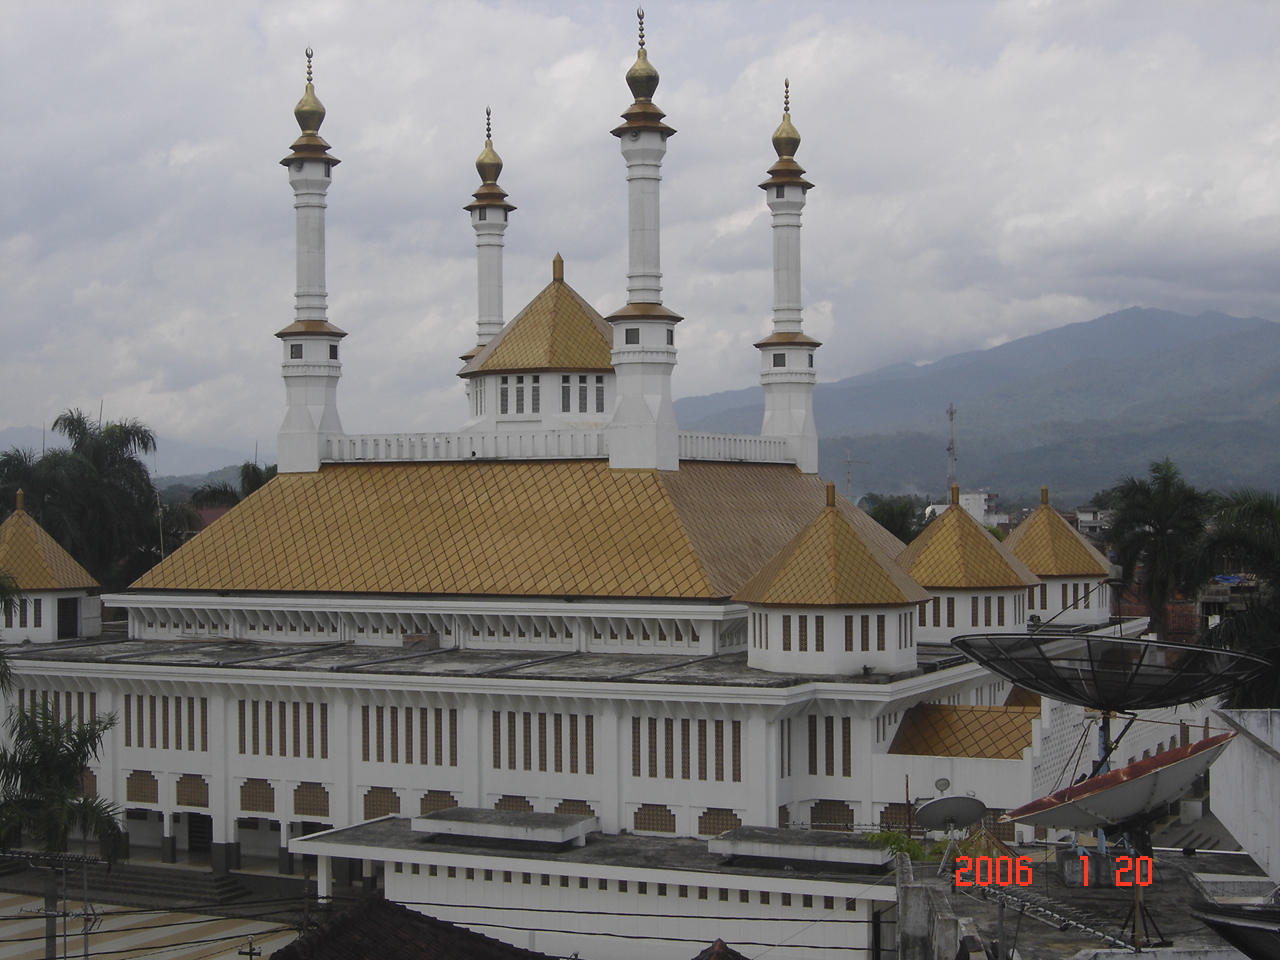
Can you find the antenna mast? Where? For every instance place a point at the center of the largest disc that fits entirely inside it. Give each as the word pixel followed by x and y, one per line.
pixel 951 447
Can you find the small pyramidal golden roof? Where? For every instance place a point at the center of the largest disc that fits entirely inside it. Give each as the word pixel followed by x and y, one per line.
pixel 558 330
pixel 949 730
pixel 34 559
pixel 956 552
pixel 786 141
pixel 1051 547
pixel 828 564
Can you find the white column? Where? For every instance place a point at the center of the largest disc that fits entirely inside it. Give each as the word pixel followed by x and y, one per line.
pixel 310 181
pixel 643 150
pixel 786 257
pixel 489 223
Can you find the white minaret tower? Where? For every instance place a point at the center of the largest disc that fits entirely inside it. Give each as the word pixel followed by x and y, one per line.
pixel 489 220
pixel 786 355
pixel 643 432
pixel 311 368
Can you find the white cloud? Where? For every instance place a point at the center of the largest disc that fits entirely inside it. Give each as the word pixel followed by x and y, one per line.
pixel 983 171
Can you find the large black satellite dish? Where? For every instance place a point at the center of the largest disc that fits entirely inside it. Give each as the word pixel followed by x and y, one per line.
pixel 951 813
pixel 1112 674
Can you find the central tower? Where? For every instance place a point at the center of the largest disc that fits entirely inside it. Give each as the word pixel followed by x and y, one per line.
pixel 643 432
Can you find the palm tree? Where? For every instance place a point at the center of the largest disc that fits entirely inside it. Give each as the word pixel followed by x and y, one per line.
pixel 1156 530
pixel 9 595
pixel 219 493
pixel 42 782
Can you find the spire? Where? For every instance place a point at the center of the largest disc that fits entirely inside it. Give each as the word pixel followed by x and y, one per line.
pixel 310 115
pixel 642 431
pixel 787 373
pixel 489 211
pixel 20 501
pixel 311 369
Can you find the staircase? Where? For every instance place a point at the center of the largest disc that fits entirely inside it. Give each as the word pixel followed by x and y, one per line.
pixel 133 885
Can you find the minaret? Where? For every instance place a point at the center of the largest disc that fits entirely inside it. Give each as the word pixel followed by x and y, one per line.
pixel 489 220
pixel 311 368
pixel 643 430
pixel 786 355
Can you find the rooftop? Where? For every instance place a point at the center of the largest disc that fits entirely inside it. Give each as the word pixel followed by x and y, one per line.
pixel 729 670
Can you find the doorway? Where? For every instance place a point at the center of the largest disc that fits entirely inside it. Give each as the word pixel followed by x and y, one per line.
pixel 68 618
pixel 199 832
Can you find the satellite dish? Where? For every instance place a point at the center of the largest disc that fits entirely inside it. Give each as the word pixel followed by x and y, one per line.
pixel 950 813
pixel 942 784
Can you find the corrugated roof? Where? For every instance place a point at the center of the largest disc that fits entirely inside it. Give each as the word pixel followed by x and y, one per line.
pixel 946 730
pixel 558 330
pixel 504 528
pixel 1051 547
pixel 956 552
pixel 829 564
pixel 35 560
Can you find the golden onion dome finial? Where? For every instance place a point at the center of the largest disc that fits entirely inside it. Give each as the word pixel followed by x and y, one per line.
pixel 488 164
pixel 642 78
pixel 310 111
pixel 786 139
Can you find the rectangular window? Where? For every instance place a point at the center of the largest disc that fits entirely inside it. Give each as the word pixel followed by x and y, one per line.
pixel 128 717
pixel 573 743
pixel 804 633
pixel 685 744
pixel 1064 596
pixel 866 631
pixel 519 395
pixel 813 745
pixel 243 725
pixel 557 730
pixel 22 609
pixel 204 724
pixel 37 612
pixel 635 746
pixel 702 749
pixel 631 335
pixel 268 725
pixel 528 740
pixel 986 611
pixel 511 740
pixel 735 750
pixel 600 394
pixel 846 746
pixel 393 725
pixel 951 611
pixel 535 397
pixel 1000 611
pixel 379 743
pixel 1075 598
pixel 295 351
pixel 669 743
pixel 1044 596
pixel 848 634
pixel 311 731
pixel 973 610
pixel 542 742
pixel 566 394
pixel 582 394
pixel 880 631
pixel 497 739
pixel 924 614
pixel 503 403
pixel 408 732
pixel 589 744
pixel 719 750
pixel 1087 594
pixel 819 632
pixel 151 704
pixel 453 737
pixel 653 747
pixel 786 631
pixel 830 745
pixel 779 359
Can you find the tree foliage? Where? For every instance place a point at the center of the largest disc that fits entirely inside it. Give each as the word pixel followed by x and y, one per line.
pixel 1157 530
pixel 220 493
pixel 96 498
pixel 903 515
pixel 42 781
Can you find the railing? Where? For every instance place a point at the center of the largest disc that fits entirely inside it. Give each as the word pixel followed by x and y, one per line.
pixel 539 445
pixel 726 446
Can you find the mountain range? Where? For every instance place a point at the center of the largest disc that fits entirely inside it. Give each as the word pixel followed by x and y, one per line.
pixel 1076 407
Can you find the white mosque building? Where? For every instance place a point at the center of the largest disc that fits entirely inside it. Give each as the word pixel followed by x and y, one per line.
pixel 554 655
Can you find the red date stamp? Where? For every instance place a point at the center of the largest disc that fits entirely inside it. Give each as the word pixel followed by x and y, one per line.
pixel 1010 872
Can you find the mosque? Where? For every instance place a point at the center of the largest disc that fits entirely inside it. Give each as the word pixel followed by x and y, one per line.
pixel 570 668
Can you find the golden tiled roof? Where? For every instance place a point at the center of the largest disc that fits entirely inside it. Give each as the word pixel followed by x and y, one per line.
pixel 944 730
pixel 1051 547
pixel 1022 697
pixel 956 552
pixel 35 560
pixel 558 330
pixel 505 528
pixel 828 564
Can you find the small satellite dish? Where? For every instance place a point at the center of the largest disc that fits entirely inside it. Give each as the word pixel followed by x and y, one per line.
pixel 942 784
pixel 950 813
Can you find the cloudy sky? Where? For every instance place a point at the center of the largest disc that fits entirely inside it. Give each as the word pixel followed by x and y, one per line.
pixel 983 170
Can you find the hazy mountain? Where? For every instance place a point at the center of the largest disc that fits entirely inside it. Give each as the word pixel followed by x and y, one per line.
pixel 1076 407
pixel 172 456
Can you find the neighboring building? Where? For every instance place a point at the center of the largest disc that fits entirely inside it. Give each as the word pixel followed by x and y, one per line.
pixel 1092 521
pixel 1075 579
pixel 59 598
